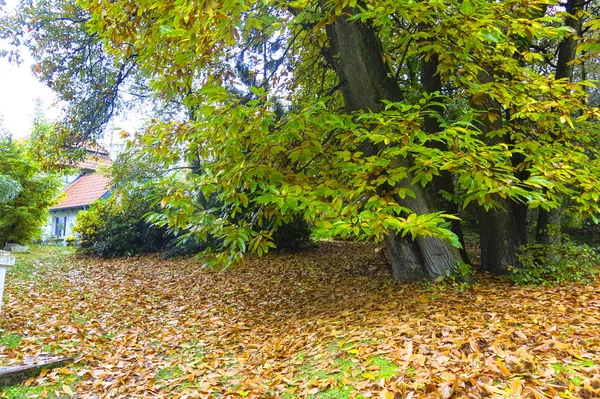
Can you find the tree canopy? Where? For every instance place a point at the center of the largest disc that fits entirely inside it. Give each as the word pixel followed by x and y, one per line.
pixel 24 209
pixel 9 189
pixel 375 120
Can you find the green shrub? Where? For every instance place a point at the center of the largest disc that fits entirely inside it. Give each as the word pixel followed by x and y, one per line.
pixel 70 240
pixel 555 264
pixel 582 230
pixel 295 234
pixel 116 227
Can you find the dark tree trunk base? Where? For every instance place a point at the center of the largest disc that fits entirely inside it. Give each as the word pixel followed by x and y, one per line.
pixel 365 80
pixel 500 239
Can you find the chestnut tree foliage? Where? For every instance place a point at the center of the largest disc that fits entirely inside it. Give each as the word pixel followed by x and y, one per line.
pixel 376 120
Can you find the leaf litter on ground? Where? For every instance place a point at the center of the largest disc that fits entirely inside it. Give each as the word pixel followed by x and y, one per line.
pixel 327 322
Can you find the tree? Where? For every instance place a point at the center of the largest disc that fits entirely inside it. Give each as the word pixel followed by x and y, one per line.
pixel 549 221
pixel 365 137
pixel 9 189
pixel 23 215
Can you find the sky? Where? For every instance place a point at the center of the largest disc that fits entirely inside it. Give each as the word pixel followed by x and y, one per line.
pixel 18 92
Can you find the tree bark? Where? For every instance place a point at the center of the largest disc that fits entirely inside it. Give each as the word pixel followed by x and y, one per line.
pixel 366 81
pixel 499 235
pixel 432 82
pixel 549 226
pixel 499 238
pixel 548 229
pixel 520 209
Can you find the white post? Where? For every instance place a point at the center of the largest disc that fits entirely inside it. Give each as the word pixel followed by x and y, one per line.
pixel 5 260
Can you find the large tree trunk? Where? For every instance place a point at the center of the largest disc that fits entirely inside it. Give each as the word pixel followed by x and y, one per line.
pixel 432 82
pixel 366 81
pixel 499 238
pixel 548 229
pixel 499 235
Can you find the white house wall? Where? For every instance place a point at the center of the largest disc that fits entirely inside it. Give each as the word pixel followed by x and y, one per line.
pixel 50 228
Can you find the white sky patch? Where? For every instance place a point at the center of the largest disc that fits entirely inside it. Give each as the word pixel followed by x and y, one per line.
pixel 18 92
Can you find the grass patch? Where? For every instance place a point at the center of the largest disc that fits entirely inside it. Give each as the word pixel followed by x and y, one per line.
pixel 55 390
pixel 168 373
pixel 53 349
pixel 21 392
pixel 573 367
pixel 344 371
pixel 387 369
pixel 10 341
pixel 30 266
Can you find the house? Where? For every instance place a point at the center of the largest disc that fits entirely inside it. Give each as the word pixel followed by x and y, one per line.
pixel 80 190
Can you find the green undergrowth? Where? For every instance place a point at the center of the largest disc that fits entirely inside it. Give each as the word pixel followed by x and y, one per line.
pixel 10 341
pixel 548 265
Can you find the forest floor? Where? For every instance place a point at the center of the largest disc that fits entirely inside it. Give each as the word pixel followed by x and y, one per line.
pixel 327 322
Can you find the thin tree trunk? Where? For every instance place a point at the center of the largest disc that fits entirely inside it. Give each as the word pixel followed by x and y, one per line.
pixel 549 226
pixel 519 209
pixel 548 229
pixel 365 82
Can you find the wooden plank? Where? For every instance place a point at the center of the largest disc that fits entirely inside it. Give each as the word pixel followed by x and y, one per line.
pixel 14 375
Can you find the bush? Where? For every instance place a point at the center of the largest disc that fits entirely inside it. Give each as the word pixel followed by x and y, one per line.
pixel 290 236
pixel 555 264
pixel 116 227
pixel 582 230
pixel 70 240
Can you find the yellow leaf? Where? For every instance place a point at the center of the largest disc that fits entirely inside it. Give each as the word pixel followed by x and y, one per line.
pixel 67 389
pixel 516 386
pixel 385 394
pixel 503 369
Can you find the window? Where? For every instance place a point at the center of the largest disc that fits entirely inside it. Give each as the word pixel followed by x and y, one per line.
pixel 60 226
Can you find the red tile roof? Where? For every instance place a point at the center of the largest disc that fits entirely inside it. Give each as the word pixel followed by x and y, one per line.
pixel 83 191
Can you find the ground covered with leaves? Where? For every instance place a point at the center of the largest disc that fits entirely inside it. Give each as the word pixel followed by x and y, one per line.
pixel 323 323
